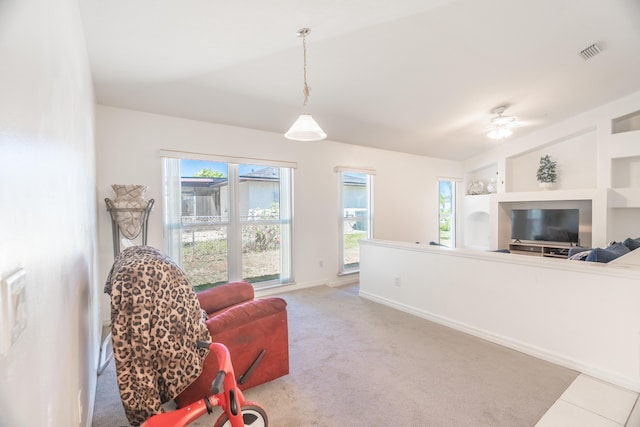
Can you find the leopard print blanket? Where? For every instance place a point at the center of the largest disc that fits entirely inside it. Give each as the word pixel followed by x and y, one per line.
pixel 156 321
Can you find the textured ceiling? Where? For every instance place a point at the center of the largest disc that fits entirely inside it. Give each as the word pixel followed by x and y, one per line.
pixel 417 76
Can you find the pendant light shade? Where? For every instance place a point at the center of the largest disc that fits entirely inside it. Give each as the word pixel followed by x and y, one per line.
pixel 305 128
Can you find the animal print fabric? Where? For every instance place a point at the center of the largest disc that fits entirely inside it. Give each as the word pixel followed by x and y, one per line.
pixel 156 321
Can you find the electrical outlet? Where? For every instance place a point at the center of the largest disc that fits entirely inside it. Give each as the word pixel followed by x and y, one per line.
pixel 397 282
pixel 321 264
pixel 14 309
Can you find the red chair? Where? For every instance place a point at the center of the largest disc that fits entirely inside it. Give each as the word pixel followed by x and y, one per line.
pixel 254 330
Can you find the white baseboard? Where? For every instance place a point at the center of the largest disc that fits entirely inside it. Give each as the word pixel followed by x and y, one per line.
pixel 348 279
pixel 289 287
pixel 106 351
pixel 522 347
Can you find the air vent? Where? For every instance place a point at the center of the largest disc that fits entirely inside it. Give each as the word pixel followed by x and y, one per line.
pixel 590 51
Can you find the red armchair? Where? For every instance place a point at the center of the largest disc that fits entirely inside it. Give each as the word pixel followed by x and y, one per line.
pixel 255 332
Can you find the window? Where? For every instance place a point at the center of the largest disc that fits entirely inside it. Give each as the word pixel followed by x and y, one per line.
pixel 447 212
pixel 356 215
pixel 227 221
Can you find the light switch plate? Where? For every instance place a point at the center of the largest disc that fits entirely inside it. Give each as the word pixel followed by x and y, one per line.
pixel 14 309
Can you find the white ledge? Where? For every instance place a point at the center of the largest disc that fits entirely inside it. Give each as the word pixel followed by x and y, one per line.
pixel 627 266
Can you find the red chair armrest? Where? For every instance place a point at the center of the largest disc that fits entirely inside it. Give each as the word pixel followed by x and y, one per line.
pixel 223 296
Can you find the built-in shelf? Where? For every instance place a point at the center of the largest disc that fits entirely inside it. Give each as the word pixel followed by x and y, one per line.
pixel 624 144
pixel 488 175
pixel 627 123
pixel 624 198
pixel 625 171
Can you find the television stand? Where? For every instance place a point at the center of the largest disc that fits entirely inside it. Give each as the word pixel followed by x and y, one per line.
pixel 550 250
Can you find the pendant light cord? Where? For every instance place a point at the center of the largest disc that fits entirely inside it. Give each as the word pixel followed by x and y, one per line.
pixel 305 128
pixel 306 89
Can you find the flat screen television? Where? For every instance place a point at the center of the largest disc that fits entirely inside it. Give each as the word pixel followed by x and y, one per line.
pixel 549 225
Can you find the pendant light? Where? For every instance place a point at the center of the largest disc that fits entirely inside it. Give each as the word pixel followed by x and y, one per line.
pixel 305 128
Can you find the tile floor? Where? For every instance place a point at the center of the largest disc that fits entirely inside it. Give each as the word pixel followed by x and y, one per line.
pixel 594 403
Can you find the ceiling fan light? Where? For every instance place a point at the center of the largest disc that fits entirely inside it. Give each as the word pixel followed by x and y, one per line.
pixel 305 129
pixel 502 121
pixel 501 125
pixel 499 132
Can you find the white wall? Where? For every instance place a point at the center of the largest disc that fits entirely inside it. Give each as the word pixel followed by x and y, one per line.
pixel 580 315
pixel 48 214
pixel 406 191
pixel 576 158
pixel 597 120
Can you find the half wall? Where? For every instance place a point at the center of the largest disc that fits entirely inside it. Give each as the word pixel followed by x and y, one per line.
pixel 583 316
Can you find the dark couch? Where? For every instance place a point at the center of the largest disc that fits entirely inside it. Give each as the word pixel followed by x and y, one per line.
pixel 605 255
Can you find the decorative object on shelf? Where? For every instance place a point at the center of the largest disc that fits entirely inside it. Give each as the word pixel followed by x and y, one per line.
pixel 500 126
pixel 129 213
pixel 475 187
pixel 305 128
pixel 491 186
pixel 546 174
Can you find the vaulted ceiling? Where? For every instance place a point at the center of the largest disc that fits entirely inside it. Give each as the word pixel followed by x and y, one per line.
pixel 416 76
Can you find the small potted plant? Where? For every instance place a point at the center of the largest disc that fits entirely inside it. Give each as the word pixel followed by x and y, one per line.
pixel 546 172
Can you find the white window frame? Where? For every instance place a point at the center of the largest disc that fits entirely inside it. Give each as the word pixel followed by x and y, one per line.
pixel 172 207
pixel 370 173
pixel 455 205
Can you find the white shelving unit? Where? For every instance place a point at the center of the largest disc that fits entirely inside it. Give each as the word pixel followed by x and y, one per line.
pixel 599 173
pixel 476 208
pixel 476 220
pixel 624 197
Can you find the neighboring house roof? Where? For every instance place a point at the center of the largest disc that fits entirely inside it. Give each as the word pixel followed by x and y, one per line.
pixel 268 173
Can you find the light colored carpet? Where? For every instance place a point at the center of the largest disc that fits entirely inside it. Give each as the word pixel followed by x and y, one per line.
pixel 354 362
